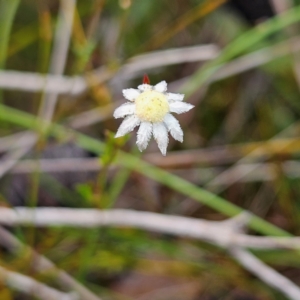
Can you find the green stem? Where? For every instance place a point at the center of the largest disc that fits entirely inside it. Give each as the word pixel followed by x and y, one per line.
pixel 134 163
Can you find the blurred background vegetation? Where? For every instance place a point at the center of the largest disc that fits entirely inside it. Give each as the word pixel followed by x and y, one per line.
pixel 241 140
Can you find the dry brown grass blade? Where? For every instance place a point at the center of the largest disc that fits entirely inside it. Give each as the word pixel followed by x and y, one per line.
pixel 227 154
pixel 188 18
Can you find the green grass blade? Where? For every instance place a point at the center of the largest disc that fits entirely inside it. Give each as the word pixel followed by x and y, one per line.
pixel 240 45
pixel 136 164
pixel 7 13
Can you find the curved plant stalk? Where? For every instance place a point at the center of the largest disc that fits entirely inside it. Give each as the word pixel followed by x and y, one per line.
pixel 134 163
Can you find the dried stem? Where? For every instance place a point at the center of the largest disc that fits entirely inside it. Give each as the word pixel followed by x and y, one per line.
pixel 222 233
pixel 266 273
pixel 32 287
pixel 42 264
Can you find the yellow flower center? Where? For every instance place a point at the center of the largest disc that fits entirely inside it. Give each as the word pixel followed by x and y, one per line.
pixel 151 106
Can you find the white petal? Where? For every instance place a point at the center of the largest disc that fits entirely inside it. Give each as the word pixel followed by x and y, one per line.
pixel 175 97
pixel 131 94
pixel 124 110
pixel 160 134
pixel 161 87
pixel 143 135
pixel 180 107
pixel 144 87
pixel 174 127
pixel 128 125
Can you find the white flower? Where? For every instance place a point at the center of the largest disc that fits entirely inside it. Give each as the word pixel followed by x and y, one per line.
pixel 151 108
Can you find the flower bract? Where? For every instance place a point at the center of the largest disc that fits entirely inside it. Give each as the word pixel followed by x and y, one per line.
pixel 151 108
